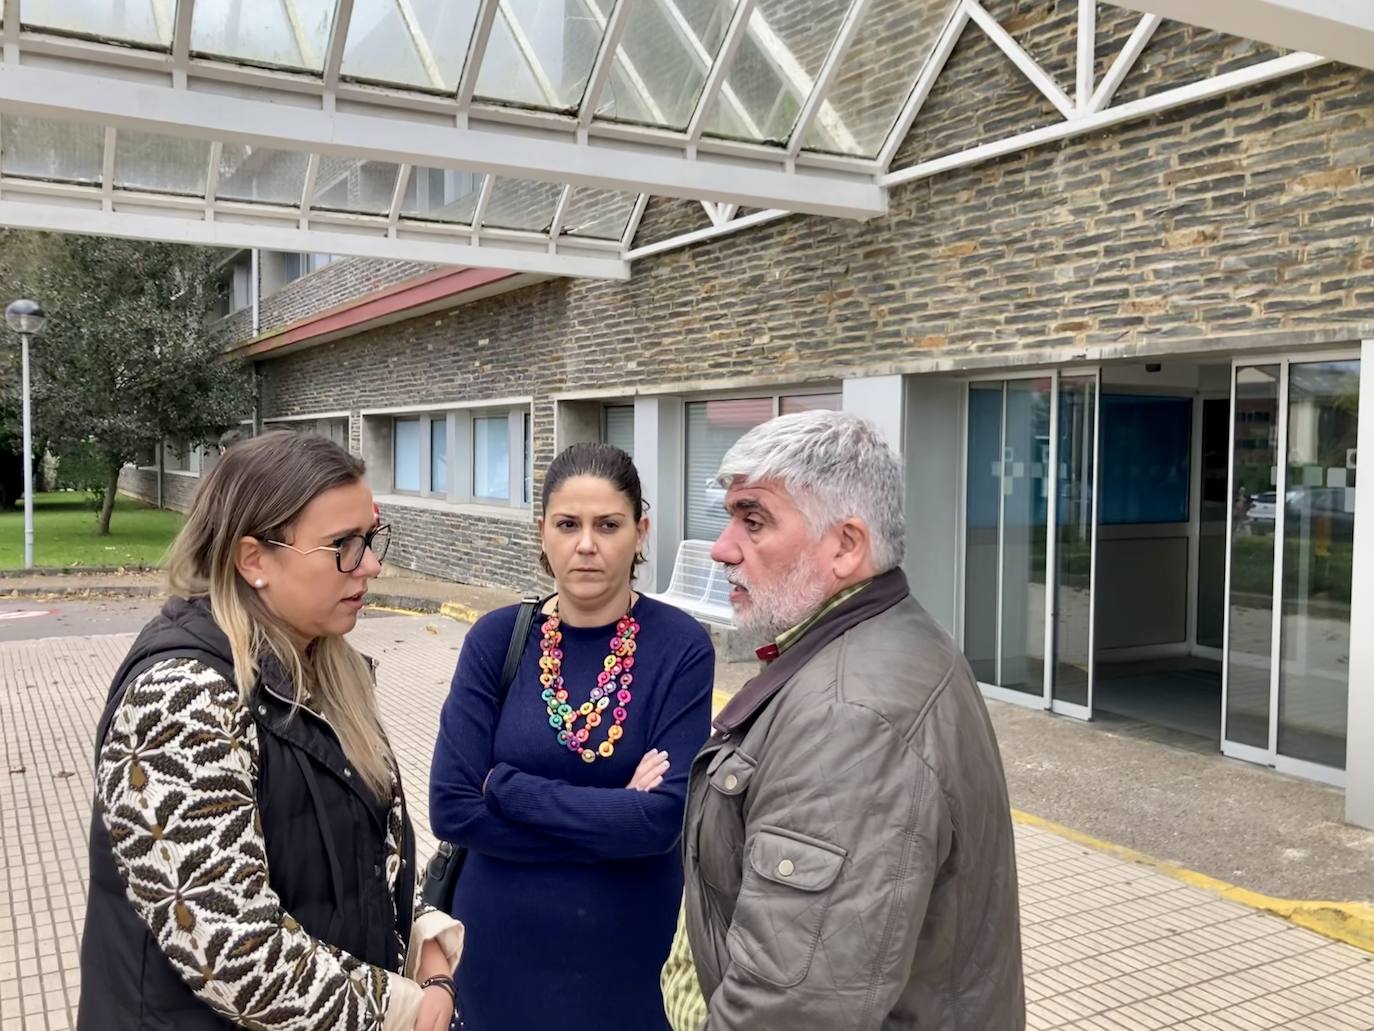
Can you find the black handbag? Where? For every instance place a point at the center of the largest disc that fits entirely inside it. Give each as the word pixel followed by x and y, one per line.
pixel 443 868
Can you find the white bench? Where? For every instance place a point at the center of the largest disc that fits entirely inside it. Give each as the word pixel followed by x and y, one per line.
pixel 698 586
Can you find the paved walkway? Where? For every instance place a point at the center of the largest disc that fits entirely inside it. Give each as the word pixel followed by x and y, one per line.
pixel 1109 944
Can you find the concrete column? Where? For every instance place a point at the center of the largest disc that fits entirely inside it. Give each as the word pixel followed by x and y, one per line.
pixel 878 399
pixel 1359 742
pixel 659 456
pixel 934 454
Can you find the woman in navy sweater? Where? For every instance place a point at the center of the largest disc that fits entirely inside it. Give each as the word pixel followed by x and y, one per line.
pixel 569 796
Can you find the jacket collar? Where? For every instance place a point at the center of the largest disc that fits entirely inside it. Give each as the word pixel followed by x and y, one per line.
pixel 882 592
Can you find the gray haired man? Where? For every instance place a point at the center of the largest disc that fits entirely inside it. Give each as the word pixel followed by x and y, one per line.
pixel 848 846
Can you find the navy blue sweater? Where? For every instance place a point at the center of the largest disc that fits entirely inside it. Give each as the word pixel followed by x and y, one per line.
pixel 571 889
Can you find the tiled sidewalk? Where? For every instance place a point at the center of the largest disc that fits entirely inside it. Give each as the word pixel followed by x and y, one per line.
pixel 1109 944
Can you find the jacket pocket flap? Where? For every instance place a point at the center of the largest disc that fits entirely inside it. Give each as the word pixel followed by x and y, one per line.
pixel 795 860
pixel 732 774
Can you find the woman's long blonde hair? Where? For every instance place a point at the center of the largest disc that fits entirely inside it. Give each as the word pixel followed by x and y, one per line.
pixel 258 489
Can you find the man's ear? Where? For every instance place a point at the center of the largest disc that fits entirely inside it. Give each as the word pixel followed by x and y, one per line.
pixel 853 547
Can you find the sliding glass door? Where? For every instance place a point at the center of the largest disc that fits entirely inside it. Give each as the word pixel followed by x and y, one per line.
pixel 1292 521
pixel 1031 465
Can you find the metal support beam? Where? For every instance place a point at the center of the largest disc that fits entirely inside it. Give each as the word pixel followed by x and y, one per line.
pixel 720 67
pixel 477 50
pixel 1125 61
pixel 632 227
pixel 285 236
pixel 398 197
pixel 338 40
pixel 1039 78
pixel 1087 54
pixel 925 82
pixel 1143 108
pixel 548 157
pixel 1342 30
pixel 605 58
pixel 820 89
pixel 758 218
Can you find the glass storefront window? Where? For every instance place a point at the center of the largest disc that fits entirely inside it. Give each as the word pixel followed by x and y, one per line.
pixel 491 458
pixel 1318 549
pixel 406 456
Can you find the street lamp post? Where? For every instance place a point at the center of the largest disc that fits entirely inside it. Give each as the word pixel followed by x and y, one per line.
pixel 27 318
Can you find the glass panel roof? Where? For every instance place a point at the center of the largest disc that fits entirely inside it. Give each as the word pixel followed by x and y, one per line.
pixel 40 148
pixel 775 68
pixel 602 214
pixel 875 77
pixel 260 174
pixel 442 195
pixel 148 22
pixel 163 164
pixel 541 53
pixel 521 204
pixel 665 53
pixel 281 33
pixel 364 187
pixel 421 43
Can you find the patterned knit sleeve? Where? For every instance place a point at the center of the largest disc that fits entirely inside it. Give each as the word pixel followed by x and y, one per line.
pixel 176 777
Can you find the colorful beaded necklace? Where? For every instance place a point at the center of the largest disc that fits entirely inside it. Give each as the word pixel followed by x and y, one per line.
pixel 613 681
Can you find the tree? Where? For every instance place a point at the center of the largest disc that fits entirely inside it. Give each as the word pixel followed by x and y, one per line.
pixel 126 362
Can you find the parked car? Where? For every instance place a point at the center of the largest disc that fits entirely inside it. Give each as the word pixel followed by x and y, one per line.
pixel 1300 503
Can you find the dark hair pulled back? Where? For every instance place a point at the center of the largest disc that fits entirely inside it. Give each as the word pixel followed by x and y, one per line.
pixel 603 461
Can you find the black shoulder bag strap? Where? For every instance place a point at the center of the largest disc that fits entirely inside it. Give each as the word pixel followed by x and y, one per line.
pixel 520 633
pixel 441 873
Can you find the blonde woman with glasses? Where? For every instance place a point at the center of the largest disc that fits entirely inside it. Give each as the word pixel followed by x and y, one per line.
pixel 252 861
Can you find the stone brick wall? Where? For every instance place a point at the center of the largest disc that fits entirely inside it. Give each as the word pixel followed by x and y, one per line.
pixel 344 280
pixel 177 490
pixel 1244 215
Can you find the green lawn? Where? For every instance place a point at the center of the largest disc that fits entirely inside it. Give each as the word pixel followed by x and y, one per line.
pixel 65 533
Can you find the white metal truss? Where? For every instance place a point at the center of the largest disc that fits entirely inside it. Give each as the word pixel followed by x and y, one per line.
pixel 394 143
pixel 1089 110
pixel 1342 30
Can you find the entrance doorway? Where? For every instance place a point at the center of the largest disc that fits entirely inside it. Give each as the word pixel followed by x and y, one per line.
pixel 1125 555
pixel 1161 596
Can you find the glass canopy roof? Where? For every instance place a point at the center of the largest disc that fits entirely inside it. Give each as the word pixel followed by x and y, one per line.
pixel 535 124
pixel 542 55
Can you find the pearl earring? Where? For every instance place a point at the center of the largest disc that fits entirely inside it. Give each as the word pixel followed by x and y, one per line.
pixel 259 584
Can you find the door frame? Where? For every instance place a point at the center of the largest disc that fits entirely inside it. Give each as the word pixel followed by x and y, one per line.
pixel 1270 756
pixel 1045 700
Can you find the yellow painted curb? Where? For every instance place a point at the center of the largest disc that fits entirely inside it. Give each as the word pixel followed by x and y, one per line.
pixel 462 613
pixel 400 612
pixel 1349 922
pixel 718 700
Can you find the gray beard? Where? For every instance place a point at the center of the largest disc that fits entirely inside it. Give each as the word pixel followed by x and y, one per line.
pixel 782 605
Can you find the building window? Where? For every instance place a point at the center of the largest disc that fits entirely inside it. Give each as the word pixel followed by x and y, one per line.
pixel 490 458
pixel 406 459
pixel 176 456
pixel 294 266
pixel 335 429
pixel 460 455
pixel 713 428
pixel 438 456
pixel 618 427
pixel 235 286
pixel 529 458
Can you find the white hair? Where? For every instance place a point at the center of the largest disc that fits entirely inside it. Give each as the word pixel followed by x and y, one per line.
pixel 836 466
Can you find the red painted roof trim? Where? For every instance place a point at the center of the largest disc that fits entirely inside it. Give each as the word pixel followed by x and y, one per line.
pixel 355 314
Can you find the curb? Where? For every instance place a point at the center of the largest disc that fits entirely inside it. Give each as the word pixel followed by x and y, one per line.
pixel 1348 922
pixel 91 571
pixel 74 591
pixel 414 606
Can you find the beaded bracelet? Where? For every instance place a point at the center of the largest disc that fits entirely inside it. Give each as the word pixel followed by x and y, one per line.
pixel 442 981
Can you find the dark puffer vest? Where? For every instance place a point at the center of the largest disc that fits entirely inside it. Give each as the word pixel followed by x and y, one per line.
pixel 325 835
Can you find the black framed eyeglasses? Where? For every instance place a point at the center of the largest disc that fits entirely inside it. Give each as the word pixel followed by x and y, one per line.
pixel 349 551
